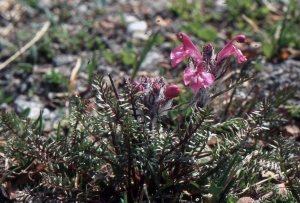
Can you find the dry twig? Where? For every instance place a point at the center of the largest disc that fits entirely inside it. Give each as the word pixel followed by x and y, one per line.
pixel 38 36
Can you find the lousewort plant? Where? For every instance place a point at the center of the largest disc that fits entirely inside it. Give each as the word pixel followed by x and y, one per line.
pixel 126 150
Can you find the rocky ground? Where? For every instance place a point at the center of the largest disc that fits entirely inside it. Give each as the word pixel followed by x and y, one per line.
pixel 114 23
pixel 72 47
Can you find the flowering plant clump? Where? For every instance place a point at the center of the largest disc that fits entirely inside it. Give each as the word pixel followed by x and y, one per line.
pixel 118 151
pixel 207 67
pixel 157 95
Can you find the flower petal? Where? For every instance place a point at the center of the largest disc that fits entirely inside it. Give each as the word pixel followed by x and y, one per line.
pixel 177 55
pixel 187 49
pixel 231 49
pixel 197 79
pixel 188 75
pixel 189 46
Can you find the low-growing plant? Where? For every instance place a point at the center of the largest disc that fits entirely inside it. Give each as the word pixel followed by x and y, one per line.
pixel 33 4
pixel 283 34
pixel 27 67
pixel 45 49
pixel 192 12
pixel 6 97
pixel 53 77
pixel 121 151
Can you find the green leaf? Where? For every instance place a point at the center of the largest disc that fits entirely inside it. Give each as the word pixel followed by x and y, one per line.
pixel 231 199
pixel 268 49
pixel 25 113
pixel 125 198
pixel 154 176
pixel 195 185
pixel 53 77
pixel 5 97
pixel 207 34
pixel 5 175
pixel 142 57
pixel 58 132
pixel 25 66
pixel 165 177
pixel 217 187
pixel 41 122
pixel 34 54
pixel 128 57
pixel 254 179
pixel 108 56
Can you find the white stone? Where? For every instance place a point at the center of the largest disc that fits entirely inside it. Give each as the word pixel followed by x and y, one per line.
pixel 130 19
pixel 140 35
pixel 83 8
pixel 139 26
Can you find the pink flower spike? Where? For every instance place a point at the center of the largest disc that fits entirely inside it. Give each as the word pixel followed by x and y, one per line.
pixel 231 49
pixel 172 91
pixel 187 49
pixel 197 79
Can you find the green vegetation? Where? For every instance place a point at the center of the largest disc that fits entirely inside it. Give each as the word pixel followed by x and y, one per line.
pixel 53 77
pixel 108 150
pixel 114 150
pixel 275 29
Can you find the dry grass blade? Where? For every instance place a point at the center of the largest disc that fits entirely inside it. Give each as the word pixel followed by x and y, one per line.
pixel 74 74
pixel 38 36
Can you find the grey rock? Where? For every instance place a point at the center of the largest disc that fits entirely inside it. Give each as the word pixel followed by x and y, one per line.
pixel 220 5
pixel 151 60
pixel 21 104
pixel 62 59
pixel 139 26
pixel 45 4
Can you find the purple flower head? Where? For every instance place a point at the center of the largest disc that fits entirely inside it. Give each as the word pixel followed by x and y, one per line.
pixel 155 95
pixel 205 67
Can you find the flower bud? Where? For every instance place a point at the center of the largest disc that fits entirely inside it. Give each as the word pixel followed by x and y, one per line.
pixel 172 91
pixel 208 52
pixel 140 87
pixel 155 87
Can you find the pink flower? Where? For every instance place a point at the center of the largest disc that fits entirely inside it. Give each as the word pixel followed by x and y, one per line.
pixel 172 91
pixel 207 66
pixel 187 49
pixel 230 49
pixel 197 79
